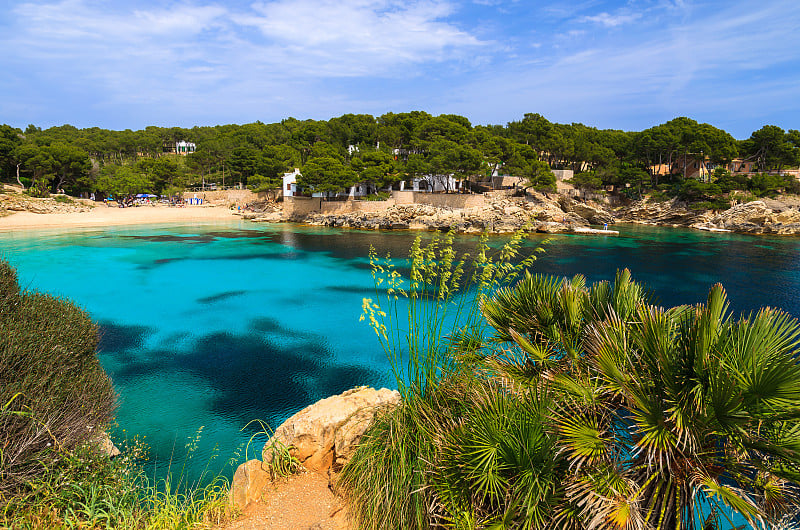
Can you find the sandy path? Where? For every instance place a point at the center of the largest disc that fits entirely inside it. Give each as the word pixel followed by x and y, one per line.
pixel 301 502
pixel 105 216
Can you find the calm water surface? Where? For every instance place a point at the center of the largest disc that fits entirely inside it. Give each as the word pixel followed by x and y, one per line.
pixel 213 325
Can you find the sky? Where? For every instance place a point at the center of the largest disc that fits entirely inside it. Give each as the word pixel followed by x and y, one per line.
pixel 612 64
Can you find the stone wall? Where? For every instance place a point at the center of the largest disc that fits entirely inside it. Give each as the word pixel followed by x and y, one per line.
pixel 403 197
pixel 455 201
pixel 337 207
pixel 298 207
pixel 294 207
pixel 562 174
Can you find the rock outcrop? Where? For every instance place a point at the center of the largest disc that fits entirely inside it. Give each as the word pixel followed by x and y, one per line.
pixel 264 212
pixel 662 213
pixel 322 437
pixel 755 217
pixel 18 202
pixel 501 214
pixel 592 212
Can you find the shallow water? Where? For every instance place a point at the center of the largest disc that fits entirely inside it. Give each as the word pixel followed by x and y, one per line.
pixel 213 325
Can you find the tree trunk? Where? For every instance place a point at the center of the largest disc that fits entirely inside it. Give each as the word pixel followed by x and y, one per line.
pixel 61 179
pixel 18 180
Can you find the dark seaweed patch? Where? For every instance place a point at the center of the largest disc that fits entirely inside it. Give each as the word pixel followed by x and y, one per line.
pixel 219 297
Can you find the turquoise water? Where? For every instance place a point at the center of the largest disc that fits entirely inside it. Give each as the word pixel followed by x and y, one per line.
pixel 213 325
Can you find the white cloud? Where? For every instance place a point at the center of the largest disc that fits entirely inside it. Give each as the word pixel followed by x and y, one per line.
pixel 612 21
pixel 737 59
pixel 192 56
pixel 358 37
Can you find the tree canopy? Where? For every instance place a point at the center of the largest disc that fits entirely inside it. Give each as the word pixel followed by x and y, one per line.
pixel 382 150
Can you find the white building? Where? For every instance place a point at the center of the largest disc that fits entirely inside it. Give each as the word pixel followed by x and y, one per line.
pixel 291 189
pixel 433 183
pixel 185 148
pixel 290 183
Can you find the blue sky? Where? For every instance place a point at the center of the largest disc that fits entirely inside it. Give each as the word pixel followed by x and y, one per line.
pixel 606 63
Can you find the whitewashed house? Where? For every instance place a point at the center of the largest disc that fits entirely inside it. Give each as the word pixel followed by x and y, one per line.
pixel 433 183
pixel 290 183
pixel 291 189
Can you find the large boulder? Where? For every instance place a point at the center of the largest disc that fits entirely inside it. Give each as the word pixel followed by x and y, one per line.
pixel 593 214
pixel 323 435
pixel 248 482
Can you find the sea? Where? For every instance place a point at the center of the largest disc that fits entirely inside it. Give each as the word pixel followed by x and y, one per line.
pixel 215 333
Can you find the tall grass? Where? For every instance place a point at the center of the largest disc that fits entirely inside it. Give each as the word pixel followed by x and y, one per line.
pixel 421 322
pixel 87 489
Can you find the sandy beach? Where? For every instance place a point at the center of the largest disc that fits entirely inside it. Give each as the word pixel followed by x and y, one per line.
pixel 104 216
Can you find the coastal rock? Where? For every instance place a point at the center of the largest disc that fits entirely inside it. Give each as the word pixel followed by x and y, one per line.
pixel 106 446
pixel 266 217
pixel 248 482
pixel 593 214
pixel 665 213
pixel 323 435
pixel 755 217
pixel 501 213
pixel 19 202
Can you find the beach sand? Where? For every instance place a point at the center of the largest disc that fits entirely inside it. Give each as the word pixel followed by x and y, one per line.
pixel 105 216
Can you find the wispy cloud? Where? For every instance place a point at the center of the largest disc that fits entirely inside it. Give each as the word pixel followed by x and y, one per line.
pixel 612 21
pixel 715 63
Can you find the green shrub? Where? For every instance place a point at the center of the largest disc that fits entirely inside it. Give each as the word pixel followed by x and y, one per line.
pixel 86 489
pixel 742 197
pixel 659 196
pixel 64 199
pixel 56 394
pixel 719 203
pixel 566 405
pixel 40 190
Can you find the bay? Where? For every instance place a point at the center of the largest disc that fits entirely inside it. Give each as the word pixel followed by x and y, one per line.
pixel 206 327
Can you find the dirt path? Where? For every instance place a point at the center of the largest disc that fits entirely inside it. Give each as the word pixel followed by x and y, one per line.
pixel 302 502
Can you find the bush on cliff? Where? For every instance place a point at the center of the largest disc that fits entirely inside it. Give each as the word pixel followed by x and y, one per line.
pixel 580 406
pixel 54 393
pixel 55 400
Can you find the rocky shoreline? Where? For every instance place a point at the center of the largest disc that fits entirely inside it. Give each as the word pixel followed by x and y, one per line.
pixel 766 216
pixel 501 214
pixel 537 212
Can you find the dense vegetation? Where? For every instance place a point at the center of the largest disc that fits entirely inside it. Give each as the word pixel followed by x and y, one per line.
pixel 385 150
pixel 550 403
pixel 56 402
pixel 54 393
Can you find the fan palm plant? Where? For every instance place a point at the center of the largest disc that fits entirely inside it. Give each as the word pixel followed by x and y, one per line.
pixel 669 418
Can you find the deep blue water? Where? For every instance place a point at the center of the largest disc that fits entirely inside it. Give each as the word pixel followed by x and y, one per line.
pixel 213 325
